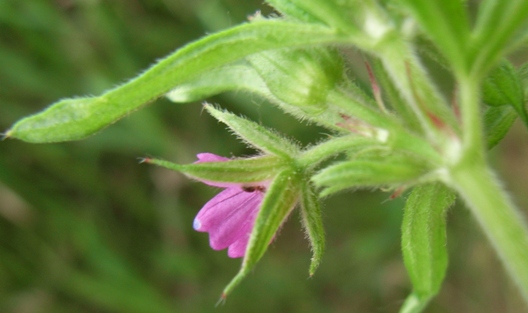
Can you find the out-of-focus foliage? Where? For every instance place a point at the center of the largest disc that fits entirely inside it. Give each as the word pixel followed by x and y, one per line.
pixel 85 228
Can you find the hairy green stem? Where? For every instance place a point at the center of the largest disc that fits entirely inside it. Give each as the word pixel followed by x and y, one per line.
pixel 472 140
pixel 500 220
pixel 332 147
pixel 470 176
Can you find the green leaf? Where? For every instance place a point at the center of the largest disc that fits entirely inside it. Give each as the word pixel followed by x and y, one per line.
pixel 255 134
pixel 313 224
pixel 424 242
pixel 446 23
pixel 73 119
pixel 497 123
pixel 372 172
pixel 522 73
pixel 503 86
pixel 248 170
pixel 280 199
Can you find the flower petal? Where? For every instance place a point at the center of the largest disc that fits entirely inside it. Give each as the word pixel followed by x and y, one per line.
pixel 238 248
pixel 229 216
pixel 210 157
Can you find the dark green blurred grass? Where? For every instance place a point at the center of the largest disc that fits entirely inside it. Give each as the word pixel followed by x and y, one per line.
pixel 85 228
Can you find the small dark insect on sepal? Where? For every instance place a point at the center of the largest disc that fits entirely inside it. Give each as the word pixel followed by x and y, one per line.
pixel 253 188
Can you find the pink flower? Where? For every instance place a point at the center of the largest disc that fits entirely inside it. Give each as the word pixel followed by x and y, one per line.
pixel 229 216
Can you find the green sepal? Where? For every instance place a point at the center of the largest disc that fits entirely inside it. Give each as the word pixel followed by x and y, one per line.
pixel 280 198
pixel 250 170
pixel 424 241
pixel 497 123
pixel 312 156
pixel 313 223
pixel 300 77
pixel 374 171
pixel 77 118
pixel 256 135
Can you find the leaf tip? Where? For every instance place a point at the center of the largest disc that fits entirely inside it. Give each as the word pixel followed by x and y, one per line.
pixel 313 268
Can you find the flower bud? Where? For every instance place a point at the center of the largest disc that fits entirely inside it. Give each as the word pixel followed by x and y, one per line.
pixel 302 78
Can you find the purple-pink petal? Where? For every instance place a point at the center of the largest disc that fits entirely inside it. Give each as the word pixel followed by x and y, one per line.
pixel 210 157
pixel 229 218
pixel 238 248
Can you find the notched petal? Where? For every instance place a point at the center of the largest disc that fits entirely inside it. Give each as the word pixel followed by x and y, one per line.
pixel 229 216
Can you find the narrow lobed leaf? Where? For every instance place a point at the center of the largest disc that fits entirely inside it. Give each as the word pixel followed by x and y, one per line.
pixel 73 119
pixel 497 123
pixel 503 86
pixel 520 107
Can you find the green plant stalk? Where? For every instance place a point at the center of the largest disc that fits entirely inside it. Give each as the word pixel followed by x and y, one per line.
pixel 498 217
pixel 472 138
pixel 315 155
pixel 471 177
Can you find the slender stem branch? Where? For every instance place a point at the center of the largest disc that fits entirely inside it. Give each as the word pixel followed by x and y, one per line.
pixel 500 220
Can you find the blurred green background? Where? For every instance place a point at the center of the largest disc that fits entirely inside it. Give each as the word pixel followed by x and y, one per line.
pixel 85 228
